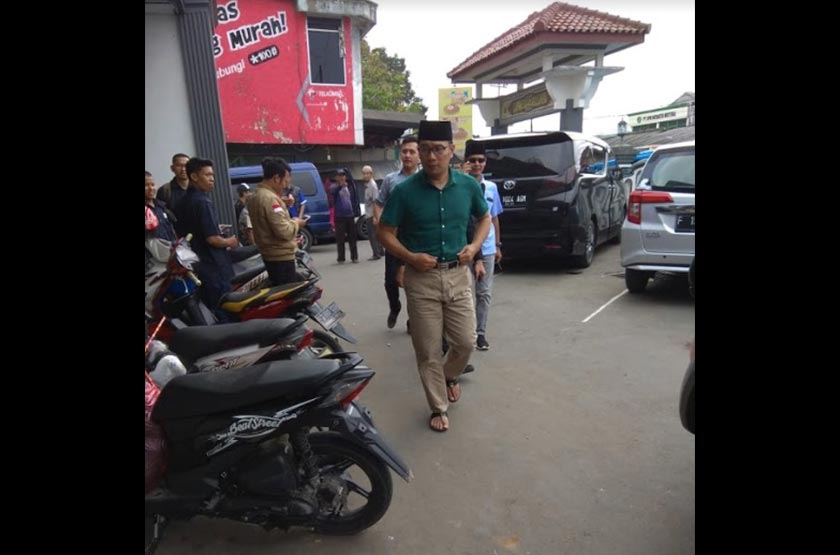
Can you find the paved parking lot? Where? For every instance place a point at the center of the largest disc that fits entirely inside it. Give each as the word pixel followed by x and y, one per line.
pixel 566 439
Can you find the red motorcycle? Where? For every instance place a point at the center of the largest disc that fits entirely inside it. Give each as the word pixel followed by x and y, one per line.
pixel 171 292
pixel 171 289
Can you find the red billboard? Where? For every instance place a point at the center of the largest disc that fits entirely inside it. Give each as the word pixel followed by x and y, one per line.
pixel 283 77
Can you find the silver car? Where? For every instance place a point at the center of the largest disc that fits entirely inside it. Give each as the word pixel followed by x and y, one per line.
pixel 658 233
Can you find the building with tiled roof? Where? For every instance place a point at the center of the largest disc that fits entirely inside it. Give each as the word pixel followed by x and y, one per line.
pixel 562 45
pixel 580 34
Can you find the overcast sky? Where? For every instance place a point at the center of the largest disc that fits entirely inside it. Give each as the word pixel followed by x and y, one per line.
pixel 434 36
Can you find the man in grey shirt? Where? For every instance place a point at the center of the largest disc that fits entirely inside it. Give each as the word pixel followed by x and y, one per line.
pixel 410 158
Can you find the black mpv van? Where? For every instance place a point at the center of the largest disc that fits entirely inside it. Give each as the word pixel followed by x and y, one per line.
pixel 554 203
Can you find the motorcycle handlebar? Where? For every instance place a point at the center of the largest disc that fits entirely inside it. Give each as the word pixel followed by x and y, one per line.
pixel 195 279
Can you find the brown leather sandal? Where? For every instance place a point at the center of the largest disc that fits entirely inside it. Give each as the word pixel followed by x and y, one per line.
pixel 440 415
pixel 449 385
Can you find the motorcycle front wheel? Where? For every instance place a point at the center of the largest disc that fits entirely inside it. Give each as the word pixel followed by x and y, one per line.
pixel 354 488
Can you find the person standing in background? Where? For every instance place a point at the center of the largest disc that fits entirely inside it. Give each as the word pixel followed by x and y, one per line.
pixel 371 192
pixel 160 225
pixel 410 162
pixel 274 229
pixel 176 189
pixel 197 215
pixel 345 217
pixel 491 250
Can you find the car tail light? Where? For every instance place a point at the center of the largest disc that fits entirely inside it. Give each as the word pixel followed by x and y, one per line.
pixel 638 198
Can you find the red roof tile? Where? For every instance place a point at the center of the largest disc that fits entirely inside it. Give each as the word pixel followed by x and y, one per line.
pixel 559 18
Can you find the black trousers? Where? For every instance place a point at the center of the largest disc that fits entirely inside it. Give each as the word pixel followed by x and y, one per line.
pixel 213 287
pixel 345 228
pixel 392 264
pixel 281 272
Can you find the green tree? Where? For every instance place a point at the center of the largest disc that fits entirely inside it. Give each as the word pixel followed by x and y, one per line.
pixel 385 83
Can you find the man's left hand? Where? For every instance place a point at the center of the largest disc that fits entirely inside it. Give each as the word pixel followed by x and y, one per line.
pixel 467 254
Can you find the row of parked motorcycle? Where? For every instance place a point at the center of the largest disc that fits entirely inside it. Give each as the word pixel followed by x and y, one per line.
pixel 256 420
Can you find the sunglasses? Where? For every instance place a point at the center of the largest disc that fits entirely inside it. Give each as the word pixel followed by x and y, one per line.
pixel 476 160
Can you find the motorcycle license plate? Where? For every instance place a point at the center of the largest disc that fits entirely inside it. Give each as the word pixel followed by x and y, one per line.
pixel 329 316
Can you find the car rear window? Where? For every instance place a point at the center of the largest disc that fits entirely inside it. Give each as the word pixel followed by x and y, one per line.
pixel 671 170
pixel 529 157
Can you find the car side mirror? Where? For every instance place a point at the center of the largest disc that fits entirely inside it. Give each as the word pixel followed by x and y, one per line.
pixel 616 175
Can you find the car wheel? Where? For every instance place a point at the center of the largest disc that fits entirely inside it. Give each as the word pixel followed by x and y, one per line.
pixel 306 239
pixel 636 280
pixel 585 260
pixel 362 229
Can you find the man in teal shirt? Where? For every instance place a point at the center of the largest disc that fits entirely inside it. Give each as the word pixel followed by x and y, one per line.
pixel 432 209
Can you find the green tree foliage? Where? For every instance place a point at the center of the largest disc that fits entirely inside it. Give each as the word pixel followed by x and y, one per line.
pixel 385 83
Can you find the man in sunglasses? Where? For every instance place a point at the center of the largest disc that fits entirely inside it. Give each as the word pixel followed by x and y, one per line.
pixel 432 209
pixel 491 250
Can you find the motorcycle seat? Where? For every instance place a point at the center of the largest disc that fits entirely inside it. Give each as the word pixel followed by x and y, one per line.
pixel 241 253
pixel 239 301
pixel 215 392
pixel 192 343
pixel 246 275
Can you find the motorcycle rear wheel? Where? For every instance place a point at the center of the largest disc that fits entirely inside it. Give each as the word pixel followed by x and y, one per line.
pixel 364 477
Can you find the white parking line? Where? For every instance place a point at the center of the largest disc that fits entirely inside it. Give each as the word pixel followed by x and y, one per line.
pixel 603 307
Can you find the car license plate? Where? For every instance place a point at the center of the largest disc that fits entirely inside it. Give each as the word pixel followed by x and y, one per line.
pixel 685 223
pixel 329 316
pixel 514 201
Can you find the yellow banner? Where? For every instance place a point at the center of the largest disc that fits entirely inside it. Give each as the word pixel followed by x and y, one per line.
pixel 452 107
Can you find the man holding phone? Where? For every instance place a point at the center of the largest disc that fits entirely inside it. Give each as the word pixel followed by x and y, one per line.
pixel 274 227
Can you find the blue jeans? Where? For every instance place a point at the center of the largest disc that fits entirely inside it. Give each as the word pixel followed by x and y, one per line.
pixel 483 293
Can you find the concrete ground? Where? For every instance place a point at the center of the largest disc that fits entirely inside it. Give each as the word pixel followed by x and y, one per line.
pixel 566 439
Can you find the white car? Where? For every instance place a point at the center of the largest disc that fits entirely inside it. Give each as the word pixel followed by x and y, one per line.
pixel 658 233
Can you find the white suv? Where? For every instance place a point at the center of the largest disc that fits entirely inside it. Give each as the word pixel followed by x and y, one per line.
pixel 658 234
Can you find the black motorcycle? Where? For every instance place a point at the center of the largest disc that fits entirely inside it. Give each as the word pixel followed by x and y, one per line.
pixel 278 444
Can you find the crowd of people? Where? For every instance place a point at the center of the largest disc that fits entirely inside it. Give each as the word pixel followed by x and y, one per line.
pixel 437 228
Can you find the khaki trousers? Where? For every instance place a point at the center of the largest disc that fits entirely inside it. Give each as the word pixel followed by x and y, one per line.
pixel 440 304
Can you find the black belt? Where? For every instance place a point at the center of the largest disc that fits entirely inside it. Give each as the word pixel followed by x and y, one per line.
pixel 447 265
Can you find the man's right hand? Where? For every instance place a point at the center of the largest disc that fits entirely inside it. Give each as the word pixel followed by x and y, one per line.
pixel 300 222
pixel 423 262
